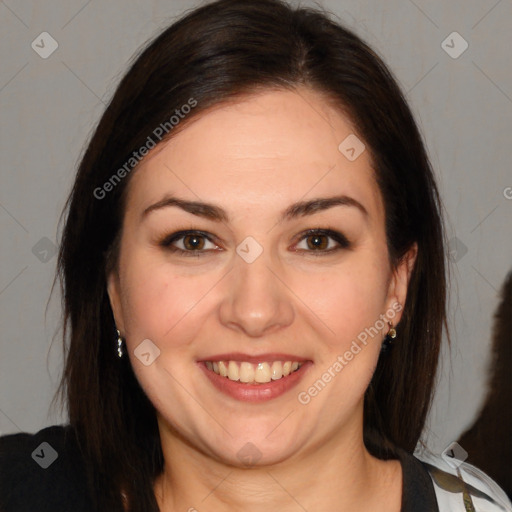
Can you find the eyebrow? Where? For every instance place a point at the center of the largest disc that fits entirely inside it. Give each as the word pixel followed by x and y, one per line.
pixel 218 214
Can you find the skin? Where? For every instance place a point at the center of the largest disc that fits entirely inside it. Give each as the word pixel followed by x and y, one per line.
pixel 254 158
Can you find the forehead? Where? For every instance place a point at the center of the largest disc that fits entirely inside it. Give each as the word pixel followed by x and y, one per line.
pixel 274 146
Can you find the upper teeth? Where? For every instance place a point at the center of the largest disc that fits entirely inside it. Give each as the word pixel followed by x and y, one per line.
pixel 250 373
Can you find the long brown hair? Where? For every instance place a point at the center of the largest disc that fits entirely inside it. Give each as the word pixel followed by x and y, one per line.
pixel 218 52
pixel 487 440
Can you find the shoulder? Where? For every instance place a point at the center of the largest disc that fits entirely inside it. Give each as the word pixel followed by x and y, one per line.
pixel 461 486
pixel 42 471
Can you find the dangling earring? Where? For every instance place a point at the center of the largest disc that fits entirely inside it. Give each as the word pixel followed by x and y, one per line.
pixel 119 344
pixel 390 336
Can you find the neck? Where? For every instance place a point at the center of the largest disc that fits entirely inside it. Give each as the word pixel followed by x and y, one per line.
pixel 337 474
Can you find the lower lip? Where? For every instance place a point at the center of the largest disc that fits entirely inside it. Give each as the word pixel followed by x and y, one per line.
pixel 256 392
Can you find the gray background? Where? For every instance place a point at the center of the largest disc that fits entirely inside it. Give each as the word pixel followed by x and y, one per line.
pixel 48 108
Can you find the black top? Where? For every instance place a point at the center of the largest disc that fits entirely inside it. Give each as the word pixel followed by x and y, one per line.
pixel 44 472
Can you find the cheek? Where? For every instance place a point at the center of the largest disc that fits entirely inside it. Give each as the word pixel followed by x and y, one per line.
pixel 157 302
pixel 348 299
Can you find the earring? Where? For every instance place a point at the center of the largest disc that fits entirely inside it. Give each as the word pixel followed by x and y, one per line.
pixel 119 344
pixel 390 336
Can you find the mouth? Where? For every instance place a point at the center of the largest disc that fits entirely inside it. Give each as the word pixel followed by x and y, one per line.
pixel 254 379
pixel 253 373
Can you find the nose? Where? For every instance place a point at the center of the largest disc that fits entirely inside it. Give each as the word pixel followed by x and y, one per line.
pixel 257 301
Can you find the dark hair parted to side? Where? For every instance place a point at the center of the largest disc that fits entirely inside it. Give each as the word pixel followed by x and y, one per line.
pixel 215 53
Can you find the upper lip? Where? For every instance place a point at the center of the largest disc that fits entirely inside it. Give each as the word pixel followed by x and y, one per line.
pixel 238 356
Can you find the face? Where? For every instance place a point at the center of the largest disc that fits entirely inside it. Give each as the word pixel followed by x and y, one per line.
pixel 267 278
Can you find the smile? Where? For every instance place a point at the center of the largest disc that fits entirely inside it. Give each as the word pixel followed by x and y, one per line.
pixel 253 373
pixel 257 381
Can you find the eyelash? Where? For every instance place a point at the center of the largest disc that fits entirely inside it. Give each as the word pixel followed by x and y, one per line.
pixel 330 233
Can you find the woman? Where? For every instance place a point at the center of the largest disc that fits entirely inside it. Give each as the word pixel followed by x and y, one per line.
pixel 254 284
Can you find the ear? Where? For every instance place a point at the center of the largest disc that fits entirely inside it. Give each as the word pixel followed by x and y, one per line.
pixel 113 290
pixel 397 291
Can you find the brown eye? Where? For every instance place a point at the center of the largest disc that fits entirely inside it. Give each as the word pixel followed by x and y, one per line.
pixel 188 243
pixel 193 242
pixel 319 241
